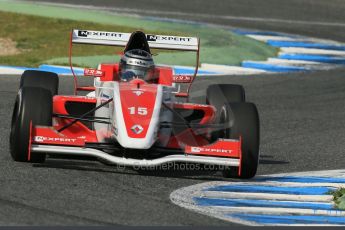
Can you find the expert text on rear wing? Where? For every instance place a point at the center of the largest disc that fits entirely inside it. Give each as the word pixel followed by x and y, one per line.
pixel 121 39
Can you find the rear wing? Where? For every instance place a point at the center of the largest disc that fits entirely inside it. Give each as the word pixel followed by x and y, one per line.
pixel 121 39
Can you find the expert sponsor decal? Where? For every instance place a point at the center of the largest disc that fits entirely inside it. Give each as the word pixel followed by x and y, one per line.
pixel 42 139
pixel 209 150
pixel 100 34
pixel 154 38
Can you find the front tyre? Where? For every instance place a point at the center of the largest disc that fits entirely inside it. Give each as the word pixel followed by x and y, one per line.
pixel 41 79
pixel 33 104
pixel 242 121
pixel 220 94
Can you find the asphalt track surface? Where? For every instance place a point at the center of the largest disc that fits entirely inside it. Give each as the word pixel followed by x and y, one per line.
pixel 302 128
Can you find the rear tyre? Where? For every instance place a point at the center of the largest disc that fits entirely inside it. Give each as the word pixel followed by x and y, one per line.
pixel 33 104
pixel 42 79
pixel 242 120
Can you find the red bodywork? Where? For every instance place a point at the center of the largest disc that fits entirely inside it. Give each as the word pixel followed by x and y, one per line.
pixel 78 134
pixel 190 141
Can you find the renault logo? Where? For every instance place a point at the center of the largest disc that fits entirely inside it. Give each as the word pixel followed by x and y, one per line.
pixel 138 92
pixel 137 129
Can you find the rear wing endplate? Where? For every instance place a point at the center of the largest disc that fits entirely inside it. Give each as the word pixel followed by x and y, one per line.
pixel 121 39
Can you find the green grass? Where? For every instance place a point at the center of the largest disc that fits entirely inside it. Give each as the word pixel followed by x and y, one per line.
pixel 40 38
pixel 339 198
pixel 42 33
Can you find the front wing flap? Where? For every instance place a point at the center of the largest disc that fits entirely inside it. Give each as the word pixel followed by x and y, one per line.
pixel 224 152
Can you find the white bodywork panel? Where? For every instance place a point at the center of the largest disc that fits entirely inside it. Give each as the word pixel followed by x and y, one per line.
pixel 117 131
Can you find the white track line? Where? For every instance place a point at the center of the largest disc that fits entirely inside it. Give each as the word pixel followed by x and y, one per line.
pixel 233 70
pixel 265 38
pixel 292 62
pixel 309 225
pixel 288 184
pixel 338 173
pixel 299 63
pixel 292 50
pixel 268 196
pixel 275 210
pixel 10 71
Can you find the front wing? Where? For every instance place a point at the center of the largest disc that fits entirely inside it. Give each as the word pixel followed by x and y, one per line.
pixel 46 140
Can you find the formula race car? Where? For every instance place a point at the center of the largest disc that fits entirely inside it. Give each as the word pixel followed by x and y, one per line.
pixel 137 114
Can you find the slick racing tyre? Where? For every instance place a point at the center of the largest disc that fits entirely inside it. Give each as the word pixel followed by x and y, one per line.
pixel 242 120
pixel 218 94
pixel 33 104
pixel 42 79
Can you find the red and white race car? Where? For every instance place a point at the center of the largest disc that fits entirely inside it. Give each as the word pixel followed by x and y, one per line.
pixel 132 120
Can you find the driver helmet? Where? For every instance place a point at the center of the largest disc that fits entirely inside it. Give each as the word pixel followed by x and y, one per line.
pixel 136 63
